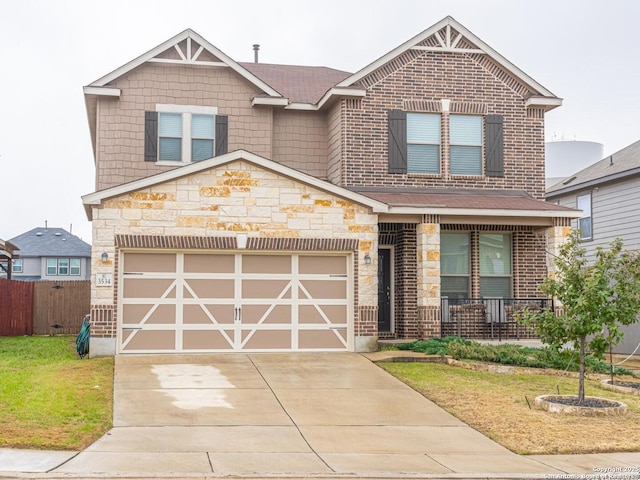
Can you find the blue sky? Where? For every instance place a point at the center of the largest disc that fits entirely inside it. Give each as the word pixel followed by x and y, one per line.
pixel 583 51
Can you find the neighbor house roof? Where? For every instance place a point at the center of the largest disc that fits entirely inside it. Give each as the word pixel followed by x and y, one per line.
pixel 473 201
pixel 49 242
pixel 622 164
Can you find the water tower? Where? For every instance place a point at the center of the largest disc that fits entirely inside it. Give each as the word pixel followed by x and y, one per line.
pixel 566 157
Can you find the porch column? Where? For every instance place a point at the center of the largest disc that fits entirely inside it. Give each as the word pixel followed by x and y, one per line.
pixel 428 275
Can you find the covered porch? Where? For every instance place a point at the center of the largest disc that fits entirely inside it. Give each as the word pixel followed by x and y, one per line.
pixel 464 263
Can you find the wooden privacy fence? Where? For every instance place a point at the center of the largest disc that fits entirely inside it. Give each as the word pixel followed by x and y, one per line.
pixel 16 308
pixel 54 307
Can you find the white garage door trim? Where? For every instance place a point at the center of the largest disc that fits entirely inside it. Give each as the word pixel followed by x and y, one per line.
pixel 238 335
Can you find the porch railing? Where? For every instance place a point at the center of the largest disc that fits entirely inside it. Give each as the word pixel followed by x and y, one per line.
pixel 488 317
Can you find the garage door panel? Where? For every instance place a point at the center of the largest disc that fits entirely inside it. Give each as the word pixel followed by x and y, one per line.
pixel 313 314
pixel 150 262
pixel 267 314
pixel 318 264
pixel 266 340
pixel 266 289
pixel 200 263
pixel 323 289
pixel 271 264
pixel 196 315
pixel 209 288
pixel 322 339
pixel 234 302
pixel 150 340
pixel 149 288
pixel 207 340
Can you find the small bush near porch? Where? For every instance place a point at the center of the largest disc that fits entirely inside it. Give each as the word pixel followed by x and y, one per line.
pixel 50 399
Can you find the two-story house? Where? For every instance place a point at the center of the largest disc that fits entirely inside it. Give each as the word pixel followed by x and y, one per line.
pixel 47 253
pixel 246 206
pixel 607 194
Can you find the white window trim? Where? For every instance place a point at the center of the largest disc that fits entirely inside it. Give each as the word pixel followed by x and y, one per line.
pixel 186 111
pixel 13 266
pixel 578 197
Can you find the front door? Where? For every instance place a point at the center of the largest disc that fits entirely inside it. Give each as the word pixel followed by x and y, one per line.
pixel 384 290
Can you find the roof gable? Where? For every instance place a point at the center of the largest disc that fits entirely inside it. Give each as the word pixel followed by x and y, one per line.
pixel 187 48
pixel 96 198
pixel 448 35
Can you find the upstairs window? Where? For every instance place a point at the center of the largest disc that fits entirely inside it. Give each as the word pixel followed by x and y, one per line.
pixel 423 143
pixel 584 223
pixel 465 138
pixel 63 266
pixel 176 133
pixel 475 143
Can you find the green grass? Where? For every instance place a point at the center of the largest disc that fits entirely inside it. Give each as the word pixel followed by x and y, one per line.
pixel 49 398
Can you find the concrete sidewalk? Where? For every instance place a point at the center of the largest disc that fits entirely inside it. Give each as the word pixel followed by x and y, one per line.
pixel 294 415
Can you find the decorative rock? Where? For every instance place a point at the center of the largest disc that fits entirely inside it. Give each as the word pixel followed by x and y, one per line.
pixel 602 407
pixel 619 386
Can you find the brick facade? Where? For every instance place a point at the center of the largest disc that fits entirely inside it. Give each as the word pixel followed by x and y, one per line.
pixel 419 82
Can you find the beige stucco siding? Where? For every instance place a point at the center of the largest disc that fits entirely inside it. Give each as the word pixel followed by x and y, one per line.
pixel 120 125
pixel 223 201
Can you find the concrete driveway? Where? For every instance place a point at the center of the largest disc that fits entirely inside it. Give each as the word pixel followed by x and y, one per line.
pixel 293 414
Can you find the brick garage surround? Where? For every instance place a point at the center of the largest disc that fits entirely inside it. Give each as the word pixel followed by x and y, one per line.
pixel 207 210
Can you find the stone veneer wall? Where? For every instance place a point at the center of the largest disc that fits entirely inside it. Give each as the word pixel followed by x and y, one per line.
pixel 224 201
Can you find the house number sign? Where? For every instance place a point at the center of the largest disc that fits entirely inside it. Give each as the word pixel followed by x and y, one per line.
pixel 104 279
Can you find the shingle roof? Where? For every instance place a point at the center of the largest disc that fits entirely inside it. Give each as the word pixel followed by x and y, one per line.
pixel 463 199
pixel 619 165
pixel 41 242
pixel 296 82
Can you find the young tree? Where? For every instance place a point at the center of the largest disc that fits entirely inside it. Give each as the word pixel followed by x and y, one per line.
pixel 597 299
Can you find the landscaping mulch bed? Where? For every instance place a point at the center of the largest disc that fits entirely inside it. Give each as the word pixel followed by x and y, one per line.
pixel 590 402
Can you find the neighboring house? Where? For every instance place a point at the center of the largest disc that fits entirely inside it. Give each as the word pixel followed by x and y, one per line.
pixel 245 206
pixel 50 254
pixel 608 194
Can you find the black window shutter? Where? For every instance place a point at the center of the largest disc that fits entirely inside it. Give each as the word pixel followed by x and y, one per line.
pixel 397 141
pixel 222 134
pixel 494 145
pixel 150 136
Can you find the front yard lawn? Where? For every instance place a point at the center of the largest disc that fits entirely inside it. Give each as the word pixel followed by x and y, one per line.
pixel 495 405
pixel 50 399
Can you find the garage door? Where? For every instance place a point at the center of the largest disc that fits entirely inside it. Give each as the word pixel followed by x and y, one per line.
pixel 194 302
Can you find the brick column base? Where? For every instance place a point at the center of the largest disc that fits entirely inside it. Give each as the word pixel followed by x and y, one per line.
pixel 429 319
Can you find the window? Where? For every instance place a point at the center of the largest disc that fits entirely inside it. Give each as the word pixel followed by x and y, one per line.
pixel 176 133
pixel 52 266
pixel 423 143
pixel 16 265
pixel 495 265
pixel 476 143
pixel 584 222
pixel 74 268
pixel 63 266
pixel 465 138
pixel 455 265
